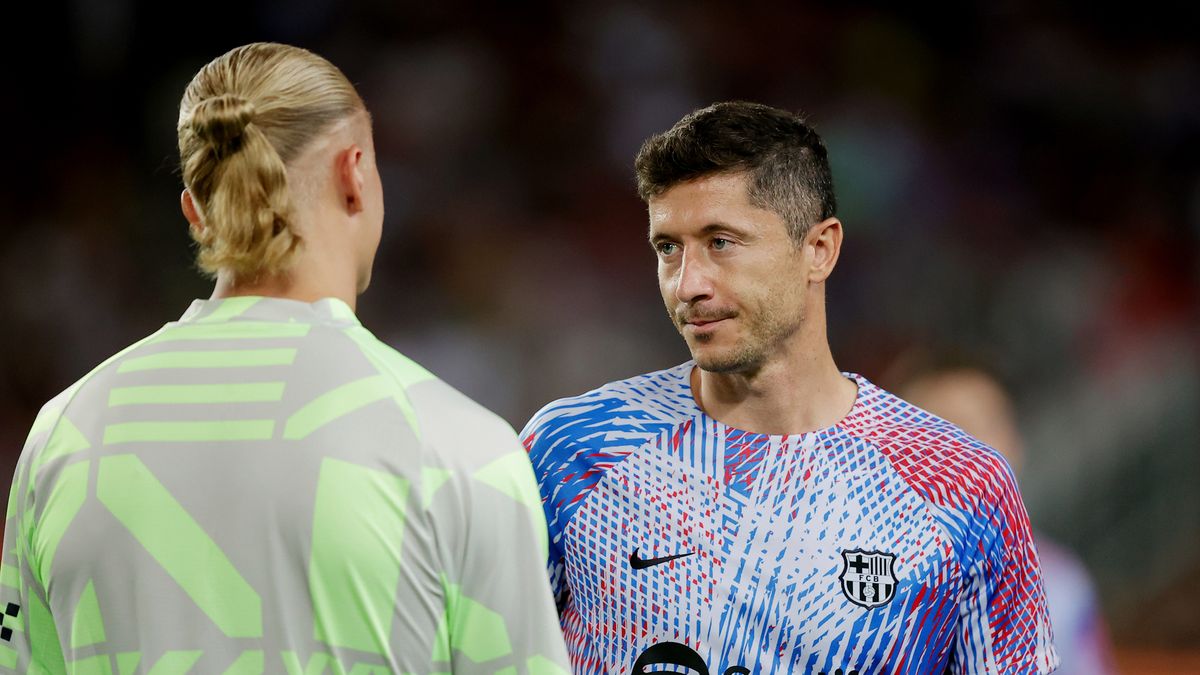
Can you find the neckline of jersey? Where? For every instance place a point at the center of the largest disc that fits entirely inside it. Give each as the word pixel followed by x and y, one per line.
pixel 857 409
pixel 265 308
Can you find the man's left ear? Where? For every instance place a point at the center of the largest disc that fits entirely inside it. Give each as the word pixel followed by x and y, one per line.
pixel 187 204
pixel 350 177
pixel 824 240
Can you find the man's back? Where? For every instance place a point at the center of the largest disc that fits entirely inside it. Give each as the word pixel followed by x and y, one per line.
pixel 265 487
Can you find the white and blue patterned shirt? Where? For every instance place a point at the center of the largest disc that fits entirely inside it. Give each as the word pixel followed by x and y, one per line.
pixel 891 542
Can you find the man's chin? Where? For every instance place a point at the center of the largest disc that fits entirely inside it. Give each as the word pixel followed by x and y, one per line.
pixel 722 361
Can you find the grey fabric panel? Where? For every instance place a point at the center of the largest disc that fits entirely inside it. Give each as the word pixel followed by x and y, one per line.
pixel 256 499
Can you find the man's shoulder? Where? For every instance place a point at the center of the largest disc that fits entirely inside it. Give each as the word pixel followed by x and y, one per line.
pixel 447 420
pixel 932 454
pixel 573 442
pixel 59 425
pixel 638 405
pixel 431 396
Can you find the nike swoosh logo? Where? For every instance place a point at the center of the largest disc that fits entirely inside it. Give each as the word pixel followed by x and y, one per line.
pixel 642 563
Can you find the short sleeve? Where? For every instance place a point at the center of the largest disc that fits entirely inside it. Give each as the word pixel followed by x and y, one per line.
pixel 1004 624
pixel 499 611
pixel 538 446
pixel 29 640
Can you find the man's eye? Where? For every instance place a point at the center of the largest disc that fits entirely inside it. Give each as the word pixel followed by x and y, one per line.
pixel 665 247
pixel 720 244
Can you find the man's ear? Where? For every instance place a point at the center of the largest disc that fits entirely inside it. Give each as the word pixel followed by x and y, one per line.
pixel 350 178
pixel 824 240
pixel 188 206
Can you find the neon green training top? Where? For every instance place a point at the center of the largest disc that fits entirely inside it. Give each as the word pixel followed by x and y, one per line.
pixel 265 487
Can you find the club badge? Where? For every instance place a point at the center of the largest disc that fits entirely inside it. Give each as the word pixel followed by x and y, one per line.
pixel 868 577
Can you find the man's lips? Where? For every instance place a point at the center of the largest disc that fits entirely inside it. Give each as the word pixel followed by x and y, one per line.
pixel 703 321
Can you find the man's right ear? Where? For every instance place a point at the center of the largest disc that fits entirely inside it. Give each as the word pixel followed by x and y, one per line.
pixel 190 211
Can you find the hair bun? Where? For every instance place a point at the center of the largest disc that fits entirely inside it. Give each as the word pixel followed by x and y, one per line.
pixel 220 121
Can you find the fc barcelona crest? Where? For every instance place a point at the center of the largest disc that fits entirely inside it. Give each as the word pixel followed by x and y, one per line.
pixel 868 577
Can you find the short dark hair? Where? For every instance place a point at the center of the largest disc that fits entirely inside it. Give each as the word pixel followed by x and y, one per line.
pixel 785 160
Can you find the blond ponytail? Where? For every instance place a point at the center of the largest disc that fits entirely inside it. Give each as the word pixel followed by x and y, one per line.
pixel 242 118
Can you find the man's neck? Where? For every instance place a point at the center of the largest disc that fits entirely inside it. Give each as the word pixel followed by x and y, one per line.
pixel 792 394
pixel 309 285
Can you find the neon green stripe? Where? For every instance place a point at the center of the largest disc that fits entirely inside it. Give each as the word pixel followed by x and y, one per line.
pixel 249 663
pixel 87 627
pixel 171 432
pixel 238 330
pixel 358 528
pixel 318 662
pixel 179 545
pixel 127 662
pixel 471 628
pixel 49 415
pixel 52 415
pixel 44 647
pixel 92 665
pixel 238 358
pixel 8 657
pixel 388 360
pixel 432 478
pixel 26 524
pixel 66 498
pixel 66 439
pixel 9 576
pixel 391 362
pixel 197 393
pixel 513 476
pixel 372 669
pixel 12 498
pixel 231 307
pixel 337 403
pixel 441 639
pixel 175 663
pixel 45 420
pixel 338 309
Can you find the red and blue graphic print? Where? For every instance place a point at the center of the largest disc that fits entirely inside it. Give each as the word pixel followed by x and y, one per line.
pixel 890 542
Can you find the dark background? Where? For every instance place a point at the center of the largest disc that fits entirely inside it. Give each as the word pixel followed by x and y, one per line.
pixel 1018 181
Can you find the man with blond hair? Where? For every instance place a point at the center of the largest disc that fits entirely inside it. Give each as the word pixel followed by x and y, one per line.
pixel 262 485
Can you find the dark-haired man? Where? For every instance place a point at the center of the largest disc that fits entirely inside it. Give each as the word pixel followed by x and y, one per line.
pixel 754 510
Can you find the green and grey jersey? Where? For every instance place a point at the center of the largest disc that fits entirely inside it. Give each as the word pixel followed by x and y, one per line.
pixel 265 487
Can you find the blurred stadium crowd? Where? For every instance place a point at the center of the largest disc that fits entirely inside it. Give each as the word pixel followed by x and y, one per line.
pixel 1017 182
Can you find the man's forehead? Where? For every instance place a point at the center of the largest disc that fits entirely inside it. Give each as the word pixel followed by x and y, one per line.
pixel 699 202
pixel 722 184
pixel 705 191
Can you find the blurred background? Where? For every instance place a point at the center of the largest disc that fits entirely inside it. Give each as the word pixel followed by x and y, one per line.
pixel 1017 181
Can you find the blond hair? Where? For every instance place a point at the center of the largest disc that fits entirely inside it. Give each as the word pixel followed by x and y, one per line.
pixel 243 118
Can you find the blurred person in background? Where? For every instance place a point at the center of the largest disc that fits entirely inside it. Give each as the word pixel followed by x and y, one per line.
pixel 969 396
pixel 754 509
pixel 262 485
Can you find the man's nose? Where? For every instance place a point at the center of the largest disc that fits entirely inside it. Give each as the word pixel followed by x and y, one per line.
pixel 694 281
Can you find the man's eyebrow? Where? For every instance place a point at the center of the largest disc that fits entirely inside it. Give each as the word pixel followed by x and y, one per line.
pixel 716 227
pixel 706 230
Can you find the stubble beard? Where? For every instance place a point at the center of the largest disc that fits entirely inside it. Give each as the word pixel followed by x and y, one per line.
pixel 764 331
pixel 745 356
